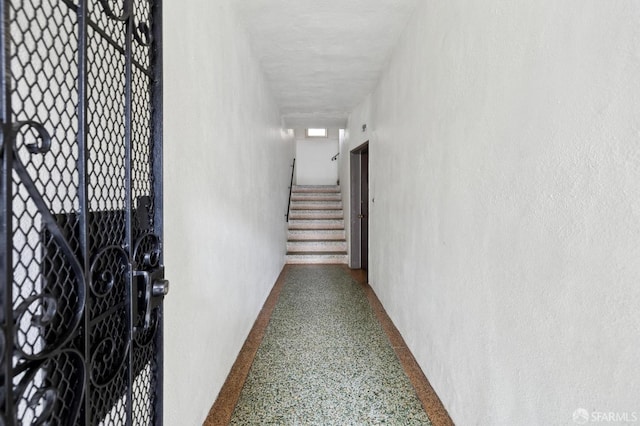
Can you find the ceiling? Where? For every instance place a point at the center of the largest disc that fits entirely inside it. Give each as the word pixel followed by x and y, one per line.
pixel 322 57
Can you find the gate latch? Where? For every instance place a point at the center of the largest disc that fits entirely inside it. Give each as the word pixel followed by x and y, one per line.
pixel 151 287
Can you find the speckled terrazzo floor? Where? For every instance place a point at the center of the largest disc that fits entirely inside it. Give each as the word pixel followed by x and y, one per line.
pixel 325 360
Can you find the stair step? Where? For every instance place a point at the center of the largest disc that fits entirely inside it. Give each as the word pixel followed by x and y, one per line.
pixel 316 234
pixel 316 214
pixel 316 258
pixel 315 196
pixel 332 246
pixel 316 224
pixel 316 205
pixel 315 188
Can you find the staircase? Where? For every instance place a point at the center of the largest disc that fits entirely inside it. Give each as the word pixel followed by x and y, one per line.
pixel 316 225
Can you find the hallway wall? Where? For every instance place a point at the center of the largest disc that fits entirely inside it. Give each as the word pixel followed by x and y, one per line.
pixel 505 233
pixel 226 187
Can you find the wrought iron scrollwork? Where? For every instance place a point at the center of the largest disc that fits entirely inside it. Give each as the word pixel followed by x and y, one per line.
pixel 26 314
pixel 41 399
pixel 147 251
pixel 36 395
pixel 45 399
pixel 107 265
pixel 79 143
pixel 126 10
pixel 142 34
pixel 141 31
pixel 40 146
pixel 107 360
pixel 46 302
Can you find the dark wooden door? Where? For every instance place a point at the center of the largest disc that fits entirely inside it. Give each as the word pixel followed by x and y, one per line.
pixel 364 207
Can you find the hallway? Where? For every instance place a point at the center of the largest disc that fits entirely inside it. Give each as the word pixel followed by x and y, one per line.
pixel 329 355
pixel 503 205
pixel 481 161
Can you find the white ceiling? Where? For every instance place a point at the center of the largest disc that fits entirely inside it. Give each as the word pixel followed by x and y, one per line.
pixel 322 57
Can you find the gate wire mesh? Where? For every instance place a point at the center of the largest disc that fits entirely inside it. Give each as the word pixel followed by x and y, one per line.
pixel 68 324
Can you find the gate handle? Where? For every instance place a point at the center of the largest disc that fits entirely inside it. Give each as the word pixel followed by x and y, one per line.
pixel 160 288
pixel 155 288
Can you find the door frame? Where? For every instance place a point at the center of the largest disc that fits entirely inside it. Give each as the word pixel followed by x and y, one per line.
pixel 356 172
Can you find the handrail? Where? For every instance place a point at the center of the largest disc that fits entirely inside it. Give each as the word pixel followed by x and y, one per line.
pixel 293 168
pixel 335 157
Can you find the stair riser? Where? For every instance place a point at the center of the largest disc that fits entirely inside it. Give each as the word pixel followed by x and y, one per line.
pixel 315 197
pixel 311 246
pixel 316 205
pixel 315 189
pixel 313 234
pixel 316 259
pixel 316 224
pixel 316 214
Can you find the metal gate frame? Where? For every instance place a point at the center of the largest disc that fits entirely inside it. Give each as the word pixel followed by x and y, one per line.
pixel 52 378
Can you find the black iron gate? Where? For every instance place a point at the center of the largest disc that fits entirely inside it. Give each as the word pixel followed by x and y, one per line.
pixel 81 271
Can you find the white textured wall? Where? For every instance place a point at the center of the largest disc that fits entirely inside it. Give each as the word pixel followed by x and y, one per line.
pixel 313 159
pixel 227 173
pixel 505 233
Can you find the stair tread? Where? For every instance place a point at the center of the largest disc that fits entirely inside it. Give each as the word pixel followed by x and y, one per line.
pixel 323 211
pixel 316 187
pixel 312 229
pixel 300 227
pixel 334 217
pixel 314 208
pixel 326 240
pixel 316 193
pixel 315 218
pixel 316 253
pixel 320 227
pixel 325 197
pixel 316 205
pixel 309 230
pixel 311 212
pixel 314 222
